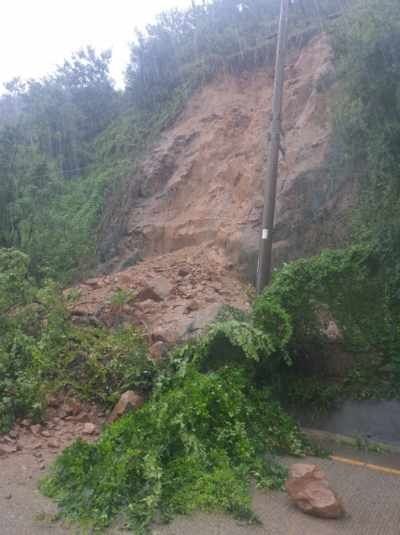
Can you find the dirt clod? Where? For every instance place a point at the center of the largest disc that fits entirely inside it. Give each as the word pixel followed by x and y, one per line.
pixel 89 428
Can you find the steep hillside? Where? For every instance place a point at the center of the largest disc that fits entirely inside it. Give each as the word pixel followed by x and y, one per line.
pixel 196 202
pixel 169 205
pixel 202 184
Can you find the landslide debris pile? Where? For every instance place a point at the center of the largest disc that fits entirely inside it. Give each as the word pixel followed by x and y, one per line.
pixel 170 297
pixel 181 236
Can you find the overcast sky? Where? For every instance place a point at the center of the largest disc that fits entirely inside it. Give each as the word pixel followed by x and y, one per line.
pixel 37 35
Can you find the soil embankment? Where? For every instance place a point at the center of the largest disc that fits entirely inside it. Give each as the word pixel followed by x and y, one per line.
pixel 195 203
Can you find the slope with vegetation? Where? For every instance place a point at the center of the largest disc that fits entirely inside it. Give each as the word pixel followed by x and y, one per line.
pixel 213 411
pixel 67 141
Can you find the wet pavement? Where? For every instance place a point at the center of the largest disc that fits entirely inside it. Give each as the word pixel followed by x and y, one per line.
pixel 371 498
pixel 374 420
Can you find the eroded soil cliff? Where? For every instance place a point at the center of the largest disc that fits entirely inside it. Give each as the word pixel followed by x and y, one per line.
pixel 190 216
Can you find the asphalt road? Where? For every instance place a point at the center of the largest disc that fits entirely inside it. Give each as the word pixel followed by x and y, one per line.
pixel 371 498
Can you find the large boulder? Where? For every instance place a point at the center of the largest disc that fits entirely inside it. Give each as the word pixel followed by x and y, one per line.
pixel 309 489
pixel 129 401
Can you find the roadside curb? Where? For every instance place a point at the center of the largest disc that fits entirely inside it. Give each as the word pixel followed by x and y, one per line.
pixel 316 434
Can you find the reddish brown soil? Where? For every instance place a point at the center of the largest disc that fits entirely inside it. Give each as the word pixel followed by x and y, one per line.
pixel 196 201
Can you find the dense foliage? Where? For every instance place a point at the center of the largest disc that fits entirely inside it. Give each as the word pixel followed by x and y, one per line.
pixel 341 284
pixel 50 195
pixel 42 352
pixel 367 123
pixel 195 445
pixel 348 289
pixel 184 48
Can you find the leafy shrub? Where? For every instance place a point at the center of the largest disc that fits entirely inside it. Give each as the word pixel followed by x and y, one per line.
pixel 41 351
pixel 120 298
pixel 14 282
pixel 349 287
pixel 345 282
pixel 194 445
pixel 235 342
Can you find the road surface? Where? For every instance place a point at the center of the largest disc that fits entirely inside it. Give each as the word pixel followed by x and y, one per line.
pixel 371 497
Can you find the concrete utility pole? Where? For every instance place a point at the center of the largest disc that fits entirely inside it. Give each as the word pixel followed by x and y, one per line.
pixel 265 253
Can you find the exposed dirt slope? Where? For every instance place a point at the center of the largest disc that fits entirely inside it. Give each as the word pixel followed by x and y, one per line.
pixel 198 196
pixel 203 182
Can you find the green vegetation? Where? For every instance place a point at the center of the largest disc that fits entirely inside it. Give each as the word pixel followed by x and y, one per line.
pixel 212 423
pixel 366 115
pixel 212 417
pixel 340 285
pixel 195 445
pixel 349 288
pixel 185 48
pixel 50 196
pixel 69 140
pixel 42 352
pixel 367 124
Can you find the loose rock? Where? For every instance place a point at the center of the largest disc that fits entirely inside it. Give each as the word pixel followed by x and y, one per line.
pixel 192 306
pixel 53 443
pixel 6 449
pixel 71 407
pixel 89 429
pixel 148 294
pixel 309 489
pixel 52 401
pixel 129 401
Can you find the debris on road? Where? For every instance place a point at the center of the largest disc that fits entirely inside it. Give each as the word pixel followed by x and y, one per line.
pixel 309 489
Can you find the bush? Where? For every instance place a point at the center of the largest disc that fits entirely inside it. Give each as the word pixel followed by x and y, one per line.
pixel 343 283
pixel 194 445
pixel 348 287
pixel 41 351
pixel 237 343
